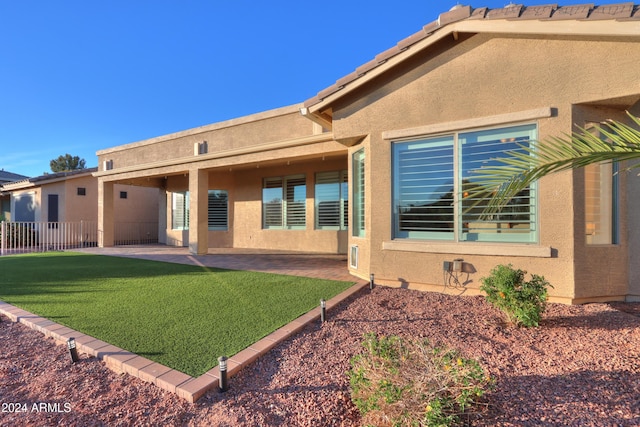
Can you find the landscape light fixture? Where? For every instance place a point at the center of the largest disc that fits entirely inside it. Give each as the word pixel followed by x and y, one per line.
pixel 73 351
pixel 371 281
pixel 323 310
pixel 222 365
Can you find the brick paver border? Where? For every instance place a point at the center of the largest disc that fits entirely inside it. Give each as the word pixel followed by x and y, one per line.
pixel 168 379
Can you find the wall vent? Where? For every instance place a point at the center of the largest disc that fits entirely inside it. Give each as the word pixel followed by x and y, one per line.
pixel 200 148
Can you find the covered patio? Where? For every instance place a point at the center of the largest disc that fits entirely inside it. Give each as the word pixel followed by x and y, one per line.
pixel 316 265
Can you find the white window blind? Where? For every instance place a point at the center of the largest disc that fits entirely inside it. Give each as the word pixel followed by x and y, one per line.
pixel 284 202
pixel 180 211
pixel 218 210
pixel 424 189
pixel 516 222
pixel 331 199
pixel 296 198
pixel 433 179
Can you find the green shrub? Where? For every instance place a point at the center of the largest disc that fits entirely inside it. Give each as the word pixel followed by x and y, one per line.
pixel 405 383
pixel 522 302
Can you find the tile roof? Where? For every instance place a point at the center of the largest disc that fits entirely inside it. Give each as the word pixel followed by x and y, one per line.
pixel 10 176
pixel 511 12
pixel 65 174
pixel 25 182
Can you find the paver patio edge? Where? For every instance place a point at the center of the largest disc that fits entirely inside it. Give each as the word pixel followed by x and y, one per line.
pixel 181 384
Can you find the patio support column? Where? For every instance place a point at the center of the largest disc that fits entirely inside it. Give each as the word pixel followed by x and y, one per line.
pixel 198 215
pixel 105 214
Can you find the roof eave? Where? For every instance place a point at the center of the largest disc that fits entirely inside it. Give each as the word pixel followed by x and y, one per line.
pixel 319 107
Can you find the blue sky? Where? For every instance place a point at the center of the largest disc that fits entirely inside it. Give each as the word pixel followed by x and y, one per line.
pixel 80 76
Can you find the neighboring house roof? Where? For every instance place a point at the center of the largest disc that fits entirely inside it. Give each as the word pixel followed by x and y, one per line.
pixel 584 20
pixel 46 179
pixel 10 176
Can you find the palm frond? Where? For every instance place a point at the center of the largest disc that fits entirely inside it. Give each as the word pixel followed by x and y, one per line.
pixel 612 142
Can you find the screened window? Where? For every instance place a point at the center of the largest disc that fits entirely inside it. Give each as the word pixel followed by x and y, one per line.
pixel 433 180
pixel 358 193
pixel 52 215
pixel 180 211
pixel 331 193
pixel 218 210
pixel 284 202
pixel 25 207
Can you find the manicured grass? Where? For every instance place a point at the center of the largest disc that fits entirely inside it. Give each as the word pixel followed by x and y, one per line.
pixel 181 316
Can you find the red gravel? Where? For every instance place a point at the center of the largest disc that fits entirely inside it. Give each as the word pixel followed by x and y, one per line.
pixel 580 367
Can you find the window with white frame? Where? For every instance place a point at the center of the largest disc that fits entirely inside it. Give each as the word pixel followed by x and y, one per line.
pixel 331 195
pixel 218 210
pixel 601 202
pixel 180 210
pixel 433 180
pixel 358 193
pixel 284 202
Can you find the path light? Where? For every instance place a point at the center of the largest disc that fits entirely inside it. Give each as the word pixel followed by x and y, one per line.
pixel 371 281
pixel 323 310
pixel 73 352
pixel 222 365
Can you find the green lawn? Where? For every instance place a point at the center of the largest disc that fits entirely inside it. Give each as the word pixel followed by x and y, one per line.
pixel 182 316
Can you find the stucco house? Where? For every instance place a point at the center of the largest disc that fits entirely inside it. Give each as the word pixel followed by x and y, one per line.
pixel 72 197
pixel 378 165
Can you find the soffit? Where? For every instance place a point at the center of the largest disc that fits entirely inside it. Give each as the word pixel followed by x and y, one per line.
pixel 578 20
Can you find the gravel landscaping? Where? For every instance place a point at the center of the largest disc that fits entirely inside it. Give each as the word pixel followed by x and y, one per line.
pixel 580 367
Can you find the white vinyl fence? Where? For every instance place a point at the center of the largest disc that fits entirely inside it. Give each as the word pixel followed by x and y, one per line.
pixel 22 237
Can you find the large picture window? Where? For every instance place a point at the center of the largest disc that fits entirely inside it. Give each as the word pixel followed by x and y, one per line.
pixel 218 210
pixel 284 202
pixel 331 195
pixel 433 181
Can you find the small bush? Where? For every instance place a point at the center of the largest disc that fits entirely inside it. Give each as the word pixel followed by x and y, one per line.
pixel 522 302
pixel 405 383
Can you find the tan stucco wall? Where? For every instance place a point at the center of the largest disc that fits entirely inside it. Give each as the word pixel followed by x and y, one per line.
pixel 241 153
pixel 74 207
pixel 244 188
pixel 248 212
pixel 277 125
pixel 485 76
pixel 601 270
pixel 633 226
pixel 141 204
